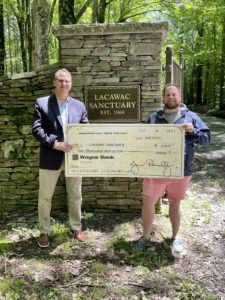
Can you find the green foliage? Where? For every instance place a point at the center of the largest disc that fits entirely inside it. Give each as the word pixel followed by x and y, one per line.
pixel 156 256
pixel 87 216
pixel 11 289
pixel 196 26
pixel 189 289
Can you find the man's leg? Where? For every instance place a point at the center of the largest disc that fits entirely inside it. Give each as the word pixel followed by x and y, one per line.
pixel 73 186
pixel 176 190
pixel 175 215
pixel 148 214
pixel 47 183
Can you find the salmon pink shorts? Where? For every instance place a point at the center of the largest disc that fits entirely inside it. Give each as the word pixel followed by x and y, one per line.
pixel 175 188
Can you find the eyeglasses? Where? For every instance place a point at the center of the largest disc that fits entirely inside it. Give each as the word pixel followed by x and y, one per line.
pixel 63 80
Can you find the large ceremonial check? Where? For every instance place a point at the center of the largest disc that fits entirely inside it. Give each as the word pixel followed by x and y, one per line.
pixel 125 150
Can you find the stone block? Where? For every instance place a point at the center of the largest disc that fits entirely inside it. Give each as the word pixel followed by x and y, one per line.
pixel 24 170
pixel 119 37
pixel 4 177
pixel 117 54
pixel 84 69
pixel 20 94
pixel 25 129
pixel 6 170
pixel 114 188
pixel 101 51
pixel 81 80
pixel 140 58
pixel 113 58
pixel 102 66
pixel 22 177
pixel 93 43
pixel 131 79
pixel 76 52
pixel 4 118
pixel 106 80
pixel 115 63
pixel 13 149
pixel 71 43
pixel 116 202
pixel 71 60
pixel 14 201
pixel 89 61
pixel 22 120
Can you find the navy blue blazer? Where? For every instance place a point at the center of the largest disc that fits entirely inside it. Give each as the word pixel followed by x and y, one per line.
pixel 48 127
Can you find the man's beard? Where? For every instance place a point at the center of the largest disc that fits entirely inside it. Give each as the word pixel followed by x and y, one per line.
pixel 171 105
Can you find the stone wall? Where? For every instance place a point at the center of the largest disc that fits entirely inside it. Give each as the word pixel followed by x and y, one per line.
pixel 115 54
pixel 103 54
pixel 19 151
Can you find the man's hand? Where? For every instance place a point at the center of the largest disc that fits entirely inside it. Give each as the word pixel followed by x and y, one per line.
pixel 188 127
pixel 65 147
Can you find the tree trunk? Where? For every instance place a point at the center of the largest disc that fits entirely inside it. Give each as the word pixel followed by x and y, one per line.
pixel 2 40
pixel 207 84
pixel 199 69
pixel 20 16
pixel 214 94
pixel 101 11
pixel 29 34
pixel 82 11
pixel 94 11
pixel 66 12
pixel 41 13
pixel 222 72
pixel 199 84
pixel 10 49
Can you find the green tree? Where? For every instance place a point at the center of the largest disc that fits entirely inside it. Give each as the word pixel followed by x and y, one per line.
pixel 2 40
pixel 69 13
pixel 19 9
pixel 222 72
pixel 196 26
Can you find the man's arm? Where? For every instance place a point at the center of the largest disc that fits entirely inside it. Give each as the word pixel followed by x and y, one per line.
pixel 198 131
pixel 38 130
pixel 84 118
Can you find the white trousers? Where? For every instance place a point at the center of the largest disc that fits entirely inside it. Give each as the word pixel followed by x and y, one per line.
pixel 47 184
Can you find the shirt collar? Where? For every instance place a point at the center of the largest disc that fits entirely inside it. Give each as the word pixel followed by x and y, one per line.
pixel 67 99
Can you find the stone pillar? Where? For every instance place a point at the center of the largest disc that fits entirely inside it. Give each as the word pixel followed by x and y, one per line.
pixel 115 54
pixel 123 54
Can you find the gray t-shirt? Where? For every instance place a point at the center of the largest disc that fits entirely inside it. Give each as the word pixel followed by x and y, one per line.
pixel 172 117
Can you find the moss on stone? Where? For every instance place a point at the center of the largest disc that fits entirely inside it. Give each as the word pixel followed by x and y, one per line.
pixel 21 120
pixel 22 177
pixel 12 111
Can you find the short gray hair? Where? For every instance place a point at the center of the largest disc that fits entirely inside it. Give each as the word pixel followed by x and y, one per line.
pixel 64 71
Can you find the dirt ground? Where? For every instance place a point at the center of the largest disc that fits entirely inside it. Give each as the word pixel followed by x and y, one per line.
pixel 106 267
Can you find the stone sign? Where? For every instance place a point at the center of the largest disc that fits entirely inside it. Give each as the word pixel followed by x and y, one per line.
pixel 113 103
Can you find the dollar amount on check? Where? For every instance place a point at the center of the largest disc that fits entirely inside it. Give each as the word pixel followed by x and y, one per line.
pixel 125 150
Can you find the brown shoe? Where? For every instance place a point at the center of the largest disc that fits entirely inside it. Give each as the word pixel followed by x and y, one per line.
pixel 79 235
pixel 43 240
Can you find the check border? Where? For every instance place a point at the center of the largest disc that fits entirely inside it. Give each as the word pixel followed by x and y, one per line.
pixel 174 133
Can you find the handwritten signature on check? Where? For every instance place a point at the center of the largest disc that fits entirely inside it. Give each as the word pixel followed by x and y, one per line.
pixel 150 163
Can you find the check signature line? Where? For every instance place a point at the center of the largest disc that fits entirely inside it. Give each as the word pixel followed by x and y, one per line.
pixel 150 163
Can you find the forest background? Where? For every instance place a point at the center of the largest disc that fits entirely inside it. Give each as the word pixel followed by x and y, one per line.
pixel 196 26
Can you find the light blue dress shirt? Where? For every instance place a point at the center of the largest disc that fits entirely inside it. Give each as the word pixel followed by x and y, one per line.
pixel 63 108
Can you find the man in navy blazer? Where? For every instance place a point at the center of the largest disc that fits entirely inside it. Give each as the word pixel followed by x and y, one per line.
pixel 51 113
